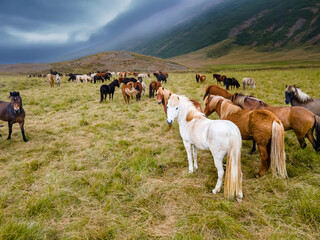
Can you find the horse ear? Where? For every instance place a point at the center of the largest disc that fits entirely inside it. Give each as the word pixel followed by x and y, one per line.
pixel 18 93
pixel 294 85
pixel 286 85
pixel 10 93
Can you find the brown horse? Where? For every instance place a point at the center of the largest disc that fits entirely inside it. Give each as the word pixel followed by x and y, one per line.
pixel 153 87
pixel 12 112
pixel 51 80
pixel 216 90
pixel 128 91
pixel 261 125
pixel 200 77
pixel 219 78
pixel 298 98
pixel 301 120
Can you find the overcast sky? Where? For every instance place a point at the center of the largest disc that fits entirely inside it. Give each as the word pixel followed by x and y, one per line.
pixel 37 30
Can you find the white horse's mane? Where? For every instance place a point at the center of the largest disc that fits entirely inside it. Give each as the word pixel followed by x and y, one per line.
pixel 193 112
pixel 302 97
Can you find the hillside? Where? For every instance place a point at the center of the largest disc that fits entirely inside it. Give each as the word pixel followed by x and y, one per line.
pixel 114 61
pixel 267 25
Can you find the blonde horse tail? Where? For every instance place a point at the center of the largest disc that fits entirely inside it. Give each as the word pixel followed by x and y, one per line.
pixel 233 177
pixel 278 156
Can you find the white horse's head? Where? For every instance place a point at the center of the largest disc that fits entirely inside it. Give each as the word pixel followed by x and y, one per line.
pixel 172 108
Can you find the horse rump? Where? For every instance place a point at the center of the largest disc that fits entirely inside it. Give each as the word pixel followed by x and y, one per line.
pixel 150 91
pixel 317 130
pixel 104 90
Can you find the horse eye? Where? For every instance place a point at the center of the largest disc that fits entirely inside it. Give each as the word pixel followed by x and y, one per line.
pixel 177 108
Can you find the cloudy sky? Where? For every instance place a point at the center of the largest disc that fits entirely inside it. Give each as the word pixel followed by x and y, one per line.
pixel 40 30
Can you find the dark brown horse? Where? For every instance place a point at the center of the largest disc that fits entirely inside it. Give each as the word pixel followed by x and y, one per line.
pixel 260 125
pixel 12 112
pixel 138 87
pixel 216 90
pixel 301 120
pixel 153 87
pixel 298 98
pixel 219 78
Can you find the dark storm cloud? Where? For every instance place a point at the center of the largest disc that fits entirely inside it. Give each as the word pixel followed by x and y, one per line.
pixel 35 30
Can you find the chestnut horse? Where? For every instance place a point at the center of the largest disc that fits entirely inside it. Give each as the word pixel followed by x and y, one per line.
pixel 12 112
pixel 51 80
pixel 301 120
pixel 128 91
pixel 200 77
pixel 216 90
pixel 219 78
pixel 298 98
pixel 153 87
pixel 261 125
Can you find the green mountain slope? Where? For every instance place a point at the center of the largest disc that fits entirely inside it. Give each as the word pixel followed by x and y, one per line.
pixel 270 25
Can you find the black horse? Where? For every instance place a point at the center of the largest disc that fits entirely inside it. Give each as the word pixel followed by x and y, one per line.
pixel 160 77
pixel 72 77
pixel 108 89
pixel 231 82
pixel 55 72
pixel 132 79
pixel 12 112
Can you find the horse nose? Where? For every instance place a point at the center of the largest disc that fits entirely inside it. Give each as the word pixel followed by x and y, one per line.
pixel 169 121
pixel 159 102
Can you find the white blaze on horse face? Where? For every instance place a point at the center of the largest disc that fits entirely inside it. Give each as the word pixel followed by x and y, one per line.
pixel 172 109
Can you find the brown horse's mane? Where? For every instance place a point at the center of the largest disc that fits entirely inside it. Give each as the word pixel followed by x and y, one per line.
pixel 165 94
pixel 227 107
pixel 219 91
pixel 239 99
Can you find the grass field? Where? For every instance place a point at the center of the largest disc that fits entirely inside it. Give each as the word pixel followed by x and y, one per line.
pixel 111 171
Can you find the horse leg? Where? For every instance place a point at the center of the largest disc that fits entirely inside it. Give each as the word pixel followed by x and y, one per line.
pixel 187 146
pixel 22 131
pixel 265 160
pixel 311 140
pixel 10 130
pixel 218 160
pixel 194 151
pixel 253 147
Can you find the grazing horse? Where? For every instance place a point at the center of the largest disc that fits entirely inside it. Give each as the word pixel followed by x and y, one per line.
pixel 298 98
pixel 153 87
pixel 128 91
pixel 248 82
pixel 54 72
pixel 261 125
pixel 216 90
pixel 220 78
pixel 51 80
pixel 72 77
pixel 231 82
pixel 13 112
pixel 220 137
pixel 164 73
pixel 301 120
pixel 108 89
pixel 160 77
pixel 200 77
pixel 138 87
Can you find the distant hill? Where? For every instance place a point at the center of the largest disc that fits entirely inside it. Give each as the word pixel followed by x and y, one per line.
pixel 113 61
pixel 271 25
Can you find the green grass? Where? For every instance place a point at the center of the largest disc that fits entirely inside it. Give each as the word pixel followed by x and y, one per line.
pixel 113 171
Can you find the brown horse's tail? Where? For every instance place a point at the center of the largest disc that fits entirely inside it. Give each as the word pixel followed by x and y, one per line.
pixel 233 179
pixel 317 130
pixel 278 156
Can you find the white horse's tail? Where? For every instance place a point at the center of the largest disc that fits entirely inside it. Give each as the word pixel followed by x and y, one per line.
pixel 278 156
pixel 233 179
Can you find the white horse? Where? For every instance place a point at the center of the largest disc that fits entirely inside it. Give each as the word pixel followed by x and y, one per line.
pixel 143 75
pixel 221 137
pixel 83 78
pixel 248 81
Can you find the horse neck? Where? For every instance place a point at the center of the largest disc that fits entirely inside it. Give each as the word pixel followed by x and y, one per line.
pixel 182 115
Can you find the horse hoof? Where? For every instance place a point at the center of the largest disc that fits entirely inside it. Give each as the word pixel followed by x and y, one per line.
pixel 251 152
pixel 214 191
